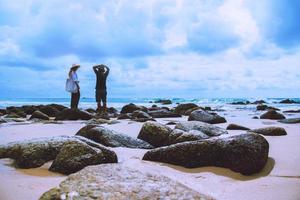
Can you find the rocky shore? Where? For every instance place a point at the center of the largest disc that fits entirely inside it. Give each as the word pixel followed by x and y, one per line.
pixel 188 136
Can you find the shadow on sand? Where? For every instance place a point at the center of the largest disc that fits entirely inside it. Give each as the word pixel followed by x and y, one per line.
pixel 227 172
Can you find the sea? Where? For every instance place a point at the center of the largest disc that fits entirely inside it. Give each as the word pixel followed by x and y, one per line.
pixel 118 103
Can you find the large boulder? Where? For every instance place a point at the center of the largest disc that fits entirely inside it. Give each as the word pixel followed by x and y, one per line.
pixel 130 108
pixel 182 108
pixel 290 121
pixel 75 155
pixel 272 114
pixel 111 138
pixel 246 153
pixel 39 115
pixel 207 129
pixel 236 127
pixel 155 134
pixel 287 101
pixel 36 152
pixel 117 181
pixel 204 116
pixel 270 131
pixel 161 135
pixel 33 153
pixel 73 114
pixel 163 113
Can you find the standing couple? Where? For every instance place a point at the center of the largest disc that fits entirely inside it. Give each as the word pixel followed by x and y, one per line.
pixel 101 72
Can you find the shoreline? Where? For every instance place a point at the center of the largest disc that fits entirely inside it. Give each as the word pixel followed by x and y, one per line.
pixel 280 178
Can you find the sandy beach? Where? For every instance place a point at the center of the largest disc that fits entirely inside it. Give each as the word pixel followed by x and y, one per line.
pixel 280 178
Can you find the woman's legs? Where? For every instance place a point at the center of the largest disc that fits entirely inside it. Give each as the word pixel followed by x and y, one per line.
pixel 75 100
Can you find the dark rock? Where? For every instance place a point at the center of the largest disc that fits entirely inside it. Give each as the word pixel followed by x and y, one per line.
pixel 163 113
pixel 182 108
pixel 34 153
pixel 57 106
pixel 144 119
pixel 2 121
pixel 124 116
pixel 75 155
pixel 163 101
pixel 189 111
pixel 255 117
pixel 161 135
pixel 102 115
pixel 90 110
pixel 130 108
pixel 259 102
pixel 117 181
pixel 12 115
pixel 236 127
pixel 292 111
pixel 290 121
pixel 240 103
pixel 112 110
pixel 155 134
pixel 287 101
pixel 171 123
pixel 208 129
pixel 262 107
pixel 207 108
pixel 265 107
pixel 246 153
pixel 272 114
pixel 138 114
pixel 98 121
pixel 29 109
pixel 49 110
pixel 270 131
pixel 178 136
pixel 2 111
pixel 111 138
pixel 73 114
pixel 204 116
pixel 39 115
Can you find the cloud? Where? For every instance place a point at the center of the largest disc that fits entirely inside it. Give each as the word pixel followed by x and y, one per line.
pixel 158 47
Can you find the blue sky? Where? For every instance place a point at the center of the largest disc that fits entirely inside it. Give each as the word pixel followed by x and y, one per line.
pixel 155 48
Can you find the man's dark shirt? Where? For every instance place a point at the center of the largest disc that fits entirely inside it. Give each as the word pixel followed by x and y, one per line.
pixel 101 79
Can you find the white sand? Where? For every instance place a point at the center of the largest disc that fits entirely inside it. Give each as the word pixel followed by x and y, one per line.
pixel 280 179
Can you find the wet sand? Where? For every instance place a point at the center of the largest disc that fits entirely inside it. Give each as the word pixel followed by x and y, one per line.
pixel 280 179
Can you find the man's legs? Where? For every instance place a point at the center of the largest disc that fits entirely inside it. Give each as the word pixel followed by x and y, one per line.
pixel 99 107
pixel 103 97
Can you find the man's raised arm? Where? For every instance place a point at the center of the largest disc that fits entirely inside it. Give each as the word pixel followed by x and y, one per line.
pixel 106 71
pixel 95 68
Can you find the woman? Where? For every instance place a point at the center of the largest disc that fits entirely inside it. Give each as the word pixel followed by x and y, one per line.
pixel 75 96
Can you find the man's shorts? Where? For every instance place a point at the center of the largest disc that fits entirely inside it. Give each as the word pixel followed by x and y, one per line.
pixel 101 96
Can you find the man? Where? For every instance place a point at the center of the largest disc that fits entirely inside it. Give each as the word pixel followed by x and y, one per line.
pixel 101 72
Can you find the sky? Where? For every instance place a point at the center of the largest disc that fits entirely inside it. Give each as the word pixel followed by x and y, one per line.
pixel 154 48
